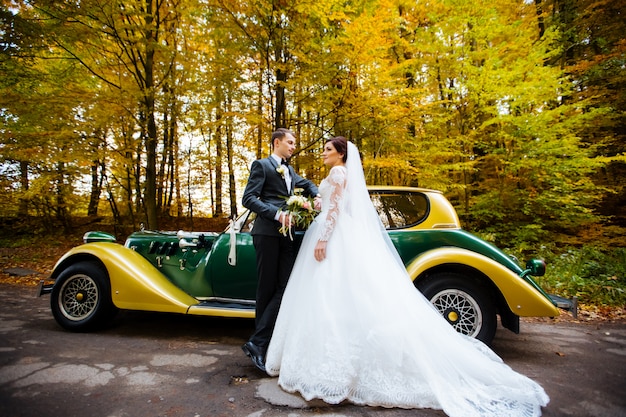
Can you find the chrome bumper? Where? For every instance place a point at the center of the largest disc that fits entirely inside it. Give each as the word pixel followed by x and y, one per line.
pixel 566 304
pixel 43 288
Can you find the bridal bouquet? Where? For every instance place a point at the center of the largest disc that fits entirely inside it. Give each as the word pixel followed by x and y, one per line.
pixel 300 212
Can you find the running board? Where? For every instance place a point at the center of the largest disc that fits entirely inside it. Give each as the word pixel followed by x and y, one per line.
pixel 222 309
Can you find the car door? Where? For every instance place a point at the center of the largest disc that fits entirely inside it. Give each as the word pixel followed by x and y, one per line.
pixel 233 267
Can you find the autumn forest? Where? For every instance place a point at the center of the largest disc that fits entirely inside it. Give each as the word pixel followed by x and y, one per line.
pixel 140 110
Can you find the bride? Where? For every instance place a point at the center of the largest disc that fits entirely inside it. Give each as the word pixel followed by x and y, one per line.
pixel 352 327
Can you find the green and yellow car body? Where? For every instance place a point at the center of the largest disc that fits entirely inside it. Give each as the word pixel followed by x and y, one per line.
pixel 214 274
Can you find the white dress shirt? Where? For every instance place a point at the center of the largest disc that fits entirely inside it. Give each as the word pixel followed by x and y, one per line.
pixel 287 175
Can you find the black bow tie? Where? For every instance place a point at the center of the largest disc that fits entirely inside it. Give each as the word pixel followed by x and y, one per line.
pixel 284 162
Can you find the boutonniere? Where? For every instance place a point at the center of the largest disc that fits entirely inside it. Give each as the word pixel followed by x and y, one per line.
pixel 281 170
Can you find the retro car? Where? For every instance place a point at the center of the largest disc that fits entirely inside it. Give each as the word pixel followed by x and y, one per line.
pixel 468 280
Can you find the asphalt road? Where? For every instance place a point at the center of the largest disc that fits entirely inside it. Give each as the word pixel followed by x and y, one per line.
pixel 149 364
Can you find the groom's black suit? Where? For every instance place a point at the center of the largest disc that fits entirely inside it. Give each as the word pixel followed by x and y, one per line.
pixel 264 195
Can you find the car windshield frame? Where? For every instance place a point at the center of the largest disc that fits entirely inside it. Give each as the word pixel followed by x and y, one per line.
pixel 391 214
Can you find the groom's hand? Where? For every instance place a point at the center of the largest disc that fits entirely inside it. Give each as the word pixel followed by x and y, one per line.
pixel 285 219
pixel 320 251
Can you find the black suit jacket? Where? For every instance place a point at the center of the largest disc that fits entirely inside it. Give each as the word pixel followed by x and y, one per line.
pixel 266 191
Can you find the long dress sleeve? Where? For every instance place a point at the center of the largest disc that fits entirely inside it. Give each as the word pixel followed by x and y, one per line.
pixel 337 181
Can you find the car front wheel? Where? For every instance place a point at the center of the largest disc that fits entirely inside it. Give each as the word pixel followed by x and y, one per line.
pixel 81 297
pixel 462 303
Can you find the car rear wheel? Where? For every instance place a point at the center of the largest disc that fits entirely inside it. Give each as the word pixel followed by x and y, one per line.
pixel 81 298
pixel 462 303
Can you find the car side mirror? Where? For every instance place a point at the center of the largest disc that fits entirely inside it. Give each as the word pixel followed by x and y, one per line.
pixel 535 267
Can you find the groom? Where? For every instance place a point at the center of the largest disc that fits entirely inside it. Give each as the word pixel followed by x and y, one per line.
pixel 271 179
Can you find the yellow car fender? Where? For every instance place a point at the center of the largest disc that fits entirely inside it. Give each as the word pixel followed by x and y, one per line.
pixel 135 283
pixel 522 298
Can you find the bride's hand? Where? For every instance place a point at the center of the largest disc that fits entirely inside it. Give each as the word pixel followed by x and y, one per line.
pixel 317 202
pixel 320 251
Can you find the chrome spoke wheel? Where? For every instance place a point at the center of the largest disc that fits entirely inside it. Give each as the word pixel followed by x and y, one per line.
pixel 460 310
pixel 464 301
pixel 79 297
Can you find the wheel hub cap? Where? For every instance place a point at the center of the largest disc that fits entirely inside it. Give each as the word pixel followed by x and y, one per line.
pixel 452 316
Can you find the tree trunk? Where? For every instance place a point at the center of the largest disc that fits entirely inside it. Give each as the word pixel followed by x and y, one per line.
pixel 96 187
pixel 61 191
pixel 281 78
pixel 232 191
pixel 172 162
pixel 259 138
pixel 218 166
pixel 540 21
pixel 150 204
pixel 161 182
pixel 23 203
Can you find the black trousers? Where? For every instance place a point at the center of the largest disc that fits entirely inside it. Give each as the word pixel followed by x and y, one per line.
pixel 275 258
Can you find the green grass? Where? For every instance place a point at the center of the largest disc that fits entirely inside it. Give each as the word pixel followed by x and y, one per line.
pixel 594 276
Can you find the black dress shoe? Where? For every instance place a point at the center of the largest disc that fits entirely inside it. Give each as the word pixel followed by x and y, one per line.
pixel 256 354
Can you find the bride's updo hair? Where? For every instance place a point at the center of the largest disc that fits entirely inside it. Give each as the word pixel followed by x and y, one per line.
pixel 341 145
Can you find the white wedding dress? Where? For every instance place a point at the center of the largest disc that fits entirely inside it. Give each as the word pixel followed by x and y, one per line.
pixel 353 327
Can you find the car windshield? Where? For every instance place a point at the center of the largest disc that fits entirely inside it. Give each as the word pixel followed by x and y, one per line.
pixel 398 209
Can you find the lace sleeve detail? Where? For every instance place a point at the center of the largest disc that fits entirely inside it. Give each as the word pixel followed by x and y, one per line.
pixel 337 180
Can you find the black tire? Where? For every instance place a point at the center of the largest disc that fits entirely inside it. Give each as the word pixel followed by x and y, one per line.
pixel 81 298
pixel 462 303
